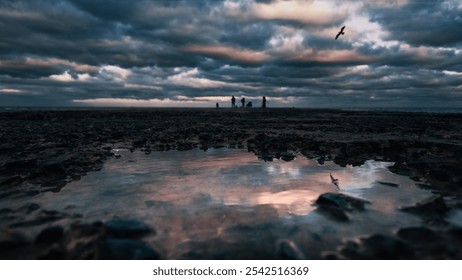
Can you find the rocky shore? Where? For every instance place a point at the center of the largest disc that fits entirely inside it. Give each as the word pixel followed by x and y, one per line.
pixel 42 151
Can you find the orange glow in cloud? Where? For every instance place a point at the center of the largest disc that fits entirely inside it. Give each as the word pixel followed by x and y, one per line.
pixel 242 55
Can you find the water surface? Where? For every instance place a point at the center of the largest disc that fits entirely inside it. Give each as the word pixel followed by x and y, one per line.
pixel 224 199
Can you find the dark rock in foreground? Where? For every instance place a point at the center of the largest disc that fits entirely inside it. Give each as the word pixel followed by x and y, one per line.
pixel 126 228
pixel 126 249
pixel 50 235
pixel 431 210
pixel 377 247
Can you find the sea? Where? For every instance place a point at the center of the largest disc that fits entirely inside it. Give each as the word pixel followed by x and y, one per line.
pixel 440 110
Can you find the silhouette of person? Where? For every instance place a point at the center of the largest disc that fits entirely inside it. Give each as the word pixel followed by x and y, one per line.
pixel 249 104
pixel 263 104
pixel 233 102
pixel 243 102
pixel 218 105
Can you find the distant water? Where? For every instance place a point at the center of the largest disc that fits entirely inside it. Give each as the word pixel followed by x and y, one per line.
pixel 441 110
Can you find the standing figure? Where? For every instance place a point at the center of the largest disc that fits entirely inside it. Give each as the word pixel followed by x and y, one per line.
pixel 243 102
pixel 233 102
pixel 263 104
pixel 218 105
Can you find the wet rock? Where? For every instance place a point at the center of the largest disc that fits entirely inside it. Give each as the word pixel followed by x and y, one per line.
pixel 50 235
pixel 10 240
pixel 333 212
pixel 43 218
pixel 287 156
pixel 26 164
pixel 288 250
pixel 341 201
pixel 53 254
pixel 378 247
pixel 126 228
pixel 126 249
pixel 388 184
pixel 418 234
pixel 334 205
pixel 433 207
pixel 430 244
pixel 440 174
pixel 85 230
pixel 29 207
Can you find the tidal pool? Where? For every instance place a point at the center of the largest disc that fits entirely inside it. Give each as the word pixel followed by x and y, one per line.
pixel 227 203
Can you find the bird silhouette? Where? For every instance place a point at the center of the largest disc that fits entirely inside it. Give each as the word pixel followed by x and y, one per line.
pixel 340 33
pixel 334 181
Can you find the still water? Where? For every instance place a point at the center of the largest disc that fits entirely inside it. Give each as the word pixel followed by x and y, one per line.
pixel 209 203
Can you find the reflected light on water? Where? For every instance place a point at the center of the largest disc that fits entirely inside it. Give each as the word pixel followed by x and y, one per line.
pixel 195 195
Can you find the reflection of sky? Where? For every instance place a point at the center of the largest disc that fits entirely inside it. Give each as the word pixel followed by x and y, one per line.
pixel 202 193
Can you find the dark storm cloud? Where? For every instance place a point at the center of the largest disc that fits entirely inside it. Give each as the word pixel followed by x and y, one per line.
pixel 54 52
pixel 423 23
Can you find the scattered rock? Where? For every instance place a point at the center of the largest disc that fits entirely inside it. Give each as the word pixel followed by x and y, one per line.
pixel 377 247
pixel 388 184
pixel 417 234
pixel 10 240
pixel 288 250
pixel 126 249
pixel 29 207
pixel 287 156
pixel 50 235
pixel 126 228
pixel 432 208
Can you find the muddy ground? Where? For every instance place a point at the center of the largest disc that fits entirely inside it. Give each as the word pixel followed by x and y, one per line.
pixel 42 151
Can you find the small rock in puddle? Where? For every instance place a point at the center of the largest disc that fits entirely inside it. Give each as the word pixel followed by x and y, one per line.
pixel 388 184
pixel 126 228
pixel 430 209
pixel 335 204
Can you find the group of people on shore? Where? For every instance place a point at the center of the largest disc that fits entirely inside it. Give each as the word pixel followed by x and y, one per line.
pixel 243 104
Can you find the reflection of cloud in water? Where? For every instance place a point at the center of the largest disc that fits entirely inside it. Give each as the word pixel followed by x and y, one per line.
pixel 194 195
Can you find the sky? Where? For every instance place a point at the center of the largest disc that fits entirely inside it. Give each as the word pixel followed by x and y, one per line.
pixel 398 53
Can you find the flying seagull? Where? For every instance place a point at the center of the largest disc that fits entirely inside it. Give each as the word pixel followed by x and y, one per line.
pixel 334 181
pixel 340 33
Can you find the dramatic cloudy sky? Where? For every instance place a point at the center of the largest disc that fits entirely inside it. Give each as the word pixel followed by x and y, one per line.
pixel 197 53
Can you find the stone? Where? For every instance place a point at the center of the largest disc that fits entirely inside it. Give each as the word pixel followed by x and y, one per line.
pixel 126 249
pixel 378 247
pixel 50 235
pixel 288 250
pixel 433 205
pixel 127 228
pixel 287 156
pixel 341 201
pixel 10 240
pixel 334 213
pixel 388 184
pixel 417 234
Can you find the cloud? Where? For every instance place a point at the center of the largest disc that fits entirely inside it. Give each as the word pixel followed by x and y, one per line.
pixel 240 55
pixel 434 23
pixel 197 53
